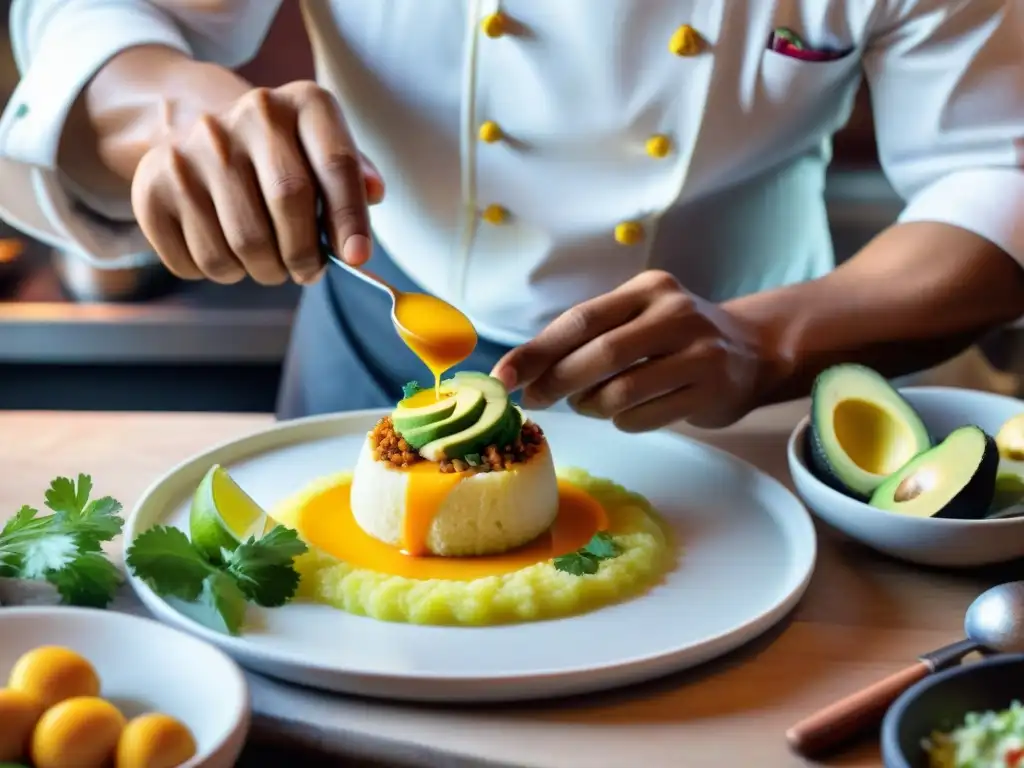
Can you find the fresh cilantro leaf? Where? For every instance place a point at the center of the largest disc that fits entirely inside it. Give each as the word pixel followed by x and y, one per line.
pixel 263 568
pixel 577 564
pixel 587 559
pixel 219 605
pixel 410 388
pixel 22 520
pixel 165 558
pixel 65 548
pixel 64 496
pixel 47 553
pixel 90 580
pixel 602 547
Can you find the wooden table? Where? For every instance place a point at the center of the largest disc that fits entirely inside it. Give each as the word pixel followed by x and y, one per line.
pixel 863 617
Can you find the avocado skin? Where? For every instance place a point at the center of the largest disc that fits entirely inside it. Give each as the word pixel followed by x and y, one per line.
pixel 815 451
pixel 822 469
pixel 974 500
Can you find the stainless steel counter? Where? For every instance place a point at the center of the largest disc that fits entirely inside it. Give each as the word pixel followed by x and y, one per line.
pixel 246 324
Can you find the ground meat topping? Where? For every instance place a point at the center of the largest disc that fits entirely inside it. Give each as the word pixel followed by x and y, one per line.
pixel 495 458
pixel 389 447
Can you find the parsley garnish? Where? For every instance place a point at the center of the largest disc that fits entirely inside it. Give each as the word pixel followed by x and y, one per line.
pixel 260 571
pixel 410 388
pixel 66 547
pixel 587 559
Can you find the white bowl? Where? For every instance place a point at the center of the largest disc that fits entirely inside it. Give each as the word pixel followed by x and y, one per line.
pixel 144 666
pixel 925 541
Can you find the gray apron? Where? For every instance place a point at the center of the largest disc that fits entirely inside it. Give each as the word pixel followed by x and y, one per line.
pixel 345 354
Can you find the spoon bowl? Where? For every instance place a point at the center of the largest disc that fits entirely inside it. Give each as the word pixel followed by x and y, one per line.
pixel 438 333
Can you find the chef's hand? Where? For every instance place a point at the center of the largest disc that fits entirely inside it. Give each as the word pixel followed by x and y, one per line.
pixel 644 355
pixel 237 193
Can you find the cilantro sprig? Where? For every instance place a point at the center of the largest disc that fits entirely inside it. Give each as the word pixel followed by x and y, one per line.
pixel 65 548
pixel 259 571
pixel 410 388
pixel 587 559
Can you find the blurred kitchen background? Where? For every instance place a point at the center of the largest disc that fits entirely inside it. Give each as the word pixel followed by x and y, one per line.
pixel 72 337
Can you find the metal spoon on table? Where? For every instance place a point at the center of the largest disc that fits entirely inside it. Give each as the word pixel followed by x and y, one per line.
pixel 994 623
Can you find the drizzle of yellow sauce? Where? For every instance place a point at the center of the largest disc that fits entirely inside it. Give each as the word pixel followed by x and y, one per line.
pixel 424 495
pixel 439 334
pixel 425 397
pixel 327 524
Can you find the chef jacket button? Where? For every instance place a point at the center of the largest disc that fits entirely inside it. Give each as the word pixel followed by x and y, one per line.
pixel 659 145
pixel 490 132
pixel 629 233
pixel 495 24
pixel 494 214
pixel 686 41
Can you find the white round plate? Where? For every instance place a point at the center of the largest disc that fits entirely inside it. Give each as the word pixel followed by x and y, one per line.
pixel 748 553
pixel 144 666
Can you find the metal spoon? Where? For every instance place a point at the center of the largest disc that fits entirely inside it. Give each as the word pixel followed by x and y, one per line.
pixel 994 623
pixel 414 339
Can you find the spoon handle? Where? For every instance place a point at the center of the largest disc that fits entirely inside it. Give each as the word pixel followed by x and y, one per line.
pixel 363 274
pixel 827 727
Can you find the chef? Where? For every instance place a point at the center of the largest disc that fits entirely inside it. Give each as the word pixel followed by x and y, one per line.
pixel 625 197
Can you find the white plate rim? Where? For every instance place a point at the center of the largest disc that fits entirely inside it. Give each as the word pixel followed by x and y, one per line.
pixel 231 668
pixel 631 668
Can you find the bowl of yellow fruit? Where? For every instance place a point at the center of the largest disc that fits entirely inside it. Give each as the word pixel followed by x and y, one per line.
pixel 99 689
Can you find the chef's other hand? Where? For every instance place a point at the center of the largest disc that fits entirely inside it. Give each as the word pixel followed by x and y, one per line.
pixel 644 355
pixel 238 192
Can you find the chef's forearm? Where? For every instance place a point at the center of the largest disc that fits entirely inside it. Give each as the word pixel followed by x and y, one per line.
pixel 134 102
pixel 918 294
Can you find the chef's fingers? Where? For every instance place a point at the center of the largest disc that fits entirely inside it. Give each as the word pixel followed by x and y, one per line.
pixel 599 359
pixel 698 370
pixel 220 162
pixel 584 323
pixel 338 169
pixel 267 125
pixel 156 212
pixel 178 217
pixel 200 224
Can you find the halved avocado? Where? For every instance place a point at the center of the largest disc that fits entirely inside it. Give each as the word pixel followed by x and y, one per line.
pixel 470 406
pixel 486 430
pixel 955 479
pixel 862 430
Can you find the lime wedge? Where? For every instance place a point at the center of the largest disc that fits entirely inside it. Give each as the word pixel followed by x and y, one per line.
pixel 223 515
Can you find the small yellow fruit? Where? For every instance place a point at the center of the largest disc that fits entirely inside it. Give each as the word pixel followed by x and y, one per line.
pixel 19 713
pixel 81 732
pixel 154 741
pixel 52 674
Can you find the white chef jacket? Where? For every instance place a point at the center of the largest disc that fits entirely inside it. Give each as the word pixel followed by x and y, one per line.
pixel 572 92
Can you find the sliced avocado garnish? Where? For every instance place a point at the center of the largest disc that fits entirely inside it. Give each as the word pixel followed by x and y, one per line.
pixel 955 479
pixel 862 430
pixel 470 406
pixel 511 427
pixel 485 430
pixel 423 408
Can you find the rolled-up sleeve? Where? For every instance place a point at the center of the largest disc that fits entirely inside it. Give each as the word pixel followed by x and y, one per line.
pixel 947 86
pixel 59 45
